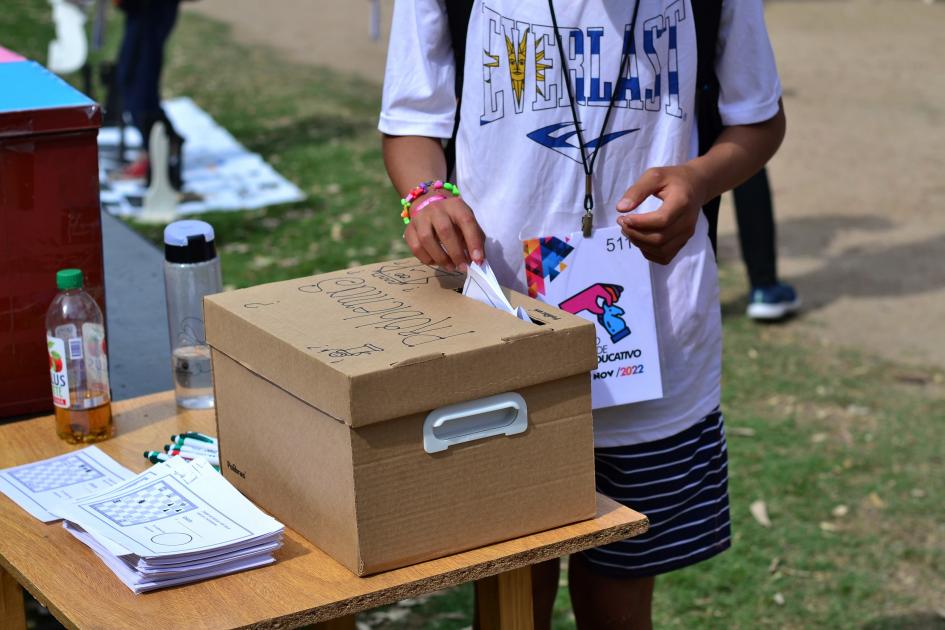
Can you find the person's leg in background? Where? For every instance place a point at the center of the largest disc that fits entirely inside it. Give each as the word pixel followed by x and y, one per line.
pixel 769 299
pixel 127 76
pixel 756 231
pixel 148 24
pixel 165 17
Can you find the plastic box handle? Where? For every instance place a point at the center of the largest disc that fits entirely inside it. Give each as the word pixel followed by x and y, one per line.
pixel 502 414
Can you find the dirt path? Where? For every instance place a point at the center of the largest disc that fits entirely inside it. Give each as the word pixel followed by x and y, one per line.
pixel 859 183
pixel 333 33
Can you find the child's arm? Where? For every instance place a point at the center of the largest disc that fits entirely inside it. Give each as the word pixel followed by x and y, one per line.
pixel 739 153
pixel 418 108
pixel 414 159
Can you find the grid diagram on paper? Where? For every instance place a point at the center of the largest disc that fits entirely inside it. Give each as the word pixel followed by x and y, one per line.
pixel 144 505
pixel 57 473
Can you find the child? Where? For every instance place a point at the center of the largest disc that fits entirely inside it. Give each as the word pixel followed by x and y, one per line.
pixel 623 116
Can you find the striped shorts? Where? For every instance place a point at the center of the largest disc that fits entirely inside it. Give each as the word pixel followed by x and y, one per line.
pixel 681 484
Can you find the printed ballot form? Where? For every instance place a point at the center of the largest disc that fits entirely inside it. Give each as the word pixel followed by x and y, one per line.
pixel 482 286
pixel 177 522
pixel 40 486
pixel 180 509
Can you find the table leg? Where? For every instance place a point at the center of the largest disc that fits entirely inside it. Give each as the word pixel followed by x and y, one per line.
pixel 505 601
pixel 12 610
pixel 341 623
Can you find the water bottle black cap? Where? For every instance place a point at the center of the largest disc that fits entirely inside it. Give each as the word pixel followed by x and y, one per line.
pixel 189 242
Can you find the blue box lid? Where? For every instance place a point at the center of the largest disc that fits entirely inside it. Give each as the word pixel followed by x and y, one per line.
pixel 35 101
pixel 28 85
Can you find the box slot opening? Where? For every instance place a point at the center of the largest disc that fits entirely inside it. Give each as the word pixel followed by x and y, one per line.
pixel 537 322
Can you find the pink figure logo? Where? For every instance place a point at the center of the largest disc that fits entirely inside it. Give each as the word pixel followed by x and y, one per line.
pixel 601 300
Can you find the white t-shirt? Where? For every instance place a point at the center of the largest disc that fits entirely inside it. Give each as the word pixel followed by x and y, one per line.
pixel 518 163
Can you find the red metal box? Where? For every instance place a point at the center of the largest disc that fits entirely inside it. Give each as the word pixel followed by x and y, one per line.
pixel 49 218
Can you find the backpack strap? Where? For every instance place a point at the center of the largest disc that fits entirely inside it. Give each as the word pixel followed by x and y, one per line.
pixel 707 15
pixel 457 14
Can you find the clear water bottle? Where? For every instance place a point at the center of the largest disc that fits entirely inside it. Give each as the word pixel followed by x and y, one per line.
pixel 191 271
pixel 78 364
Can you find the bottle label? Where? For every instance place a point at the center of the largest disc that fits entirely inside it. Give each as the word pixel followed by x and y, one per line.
pixel 75 348
pixel 58 371
pixel 96 359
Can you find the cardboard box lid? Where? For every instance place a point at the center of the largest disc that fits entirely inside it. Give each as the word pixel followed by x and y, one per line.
pixel 382 341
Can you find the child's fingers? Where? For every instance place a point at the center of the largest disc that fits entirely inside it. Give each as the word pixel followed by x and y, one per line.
pixel 665 254
pixel 430 242
pixel 413 242
pixel 472 233
pixel 450 239
pixel 651 238
pixel 643 240
pixel 650 183
pixel 660 248
pixel 675 207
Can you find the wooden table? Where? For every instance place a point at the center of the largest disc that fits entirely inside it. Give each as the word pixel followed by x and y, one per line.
pixel 304 586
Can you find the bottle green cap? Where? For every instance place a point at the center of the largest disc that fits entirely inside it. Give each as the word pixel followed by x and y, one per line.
pixel 69 279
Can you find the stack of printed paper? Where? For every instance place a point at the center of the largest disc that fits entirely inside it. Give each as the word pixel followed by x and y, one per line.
pixel 176 523
pixel 38 487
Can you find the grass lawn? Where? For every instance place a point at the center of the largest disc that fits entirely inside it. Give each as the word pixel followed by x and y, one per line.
pixel 844 449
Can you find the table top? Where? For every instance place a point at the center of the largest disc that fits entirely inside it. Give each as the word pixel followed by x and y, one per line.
pixel 303 586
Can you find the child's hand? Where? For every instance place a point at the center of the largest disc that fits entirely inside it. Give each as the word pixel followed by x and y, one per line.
pixel 662 233
pixel 445 233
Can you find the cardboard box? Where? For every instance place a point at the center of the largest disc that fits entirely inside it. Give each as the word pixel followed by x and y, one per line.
pixel 344 408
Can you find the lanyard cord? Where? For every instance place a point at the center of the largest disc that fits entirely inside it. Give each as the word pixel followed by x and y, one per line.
pixel 588 164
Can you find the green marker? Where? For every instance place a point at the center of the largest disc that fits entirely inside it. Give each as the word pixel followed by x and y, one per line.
pixel 155 457
pixel 196 445
pixel 186 454
pixel 189 449
pixel 195 436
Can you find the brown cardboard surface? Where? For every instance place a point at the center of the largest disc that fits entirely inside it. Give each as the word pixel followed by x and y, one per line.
pixel 382 341
pixel 321 404
pixel 274 452
pixel 373 499
pixel 412 505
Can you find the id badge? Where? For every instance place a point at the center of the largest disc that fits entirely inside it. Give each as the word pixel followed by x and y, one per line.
pixel 604 279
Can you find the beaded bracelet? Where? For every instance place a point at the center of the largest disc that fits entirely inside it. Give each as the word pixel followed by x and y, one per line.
pixel 426 202
pixel 422 189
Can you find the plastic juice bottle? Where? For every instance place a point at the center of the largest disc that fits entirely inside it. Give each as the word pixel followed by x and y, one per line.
pixel 78 365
